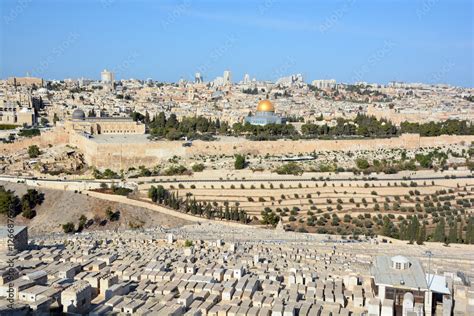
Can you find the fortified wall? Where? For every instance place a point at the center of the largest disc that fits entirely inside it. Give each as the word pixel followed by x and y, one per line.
pixel 150 153
pixel 117 155
pixel 54 137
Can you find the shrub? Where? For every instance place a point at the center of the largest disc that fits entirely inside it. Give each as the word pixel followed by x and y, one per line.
pixel 68 228
pixel 121 191
pixel 34 151
pixel 239 162
pixel 198 167
pixel 176 170
pixel 28 213
pixel 111 215
pixel 290 168
pixel 362 163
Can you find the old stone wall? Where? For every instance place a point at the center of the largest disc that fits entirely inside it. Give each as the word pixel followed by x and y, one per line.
pixel 122 156
pixel 54 137
pixel 118 156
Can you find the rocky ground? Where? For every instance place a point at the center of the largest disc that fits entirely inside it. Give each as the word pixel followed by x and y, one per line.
pixel 60 207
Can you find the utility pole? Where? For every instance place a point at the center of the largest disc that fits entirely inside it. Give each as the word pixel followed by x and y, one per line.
pixel 429 254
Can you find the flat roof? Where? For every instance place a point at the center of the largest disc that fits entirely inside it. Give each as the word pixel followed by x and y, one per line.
pixel 437 283
pixel 120 138
pixel 4 230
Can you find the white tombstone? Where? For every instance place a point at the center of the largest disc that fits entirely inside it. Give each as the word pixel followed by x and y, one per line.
pixel 374 306
pixel 408 300
pixel 387 307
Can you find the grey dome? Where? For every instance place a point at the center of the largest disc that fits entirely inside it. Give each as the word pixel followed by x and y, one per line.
pixel 78 114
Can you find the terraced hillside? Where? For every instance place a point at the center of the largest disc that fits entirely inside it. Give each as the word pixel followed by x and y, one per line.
pixel 343 206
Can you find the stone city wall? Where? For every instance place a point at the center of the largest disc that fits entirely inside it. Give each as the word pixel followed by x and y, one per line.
pixel 118 156
pixel 122 156
pixel 54 137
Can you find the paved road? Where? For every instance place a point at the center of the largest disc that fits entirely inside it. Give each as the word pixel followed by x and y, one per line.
pixel 161 209
pixel 308 180
pixel 245 180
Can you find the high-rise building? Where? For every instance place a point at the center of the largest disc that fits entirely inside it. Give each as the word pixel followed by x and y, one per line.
pixel 197 77
pixel 107 77
pixel 246 79
pixel 292 80
pixel 227 77
pixel 324 83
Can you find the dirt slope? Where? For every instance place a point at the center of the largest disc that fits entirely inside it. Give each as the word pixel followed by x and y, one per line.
pixel 60 207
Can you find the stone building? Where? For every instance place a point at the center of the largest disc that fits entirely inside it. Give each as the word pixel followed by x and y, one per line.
pixel 102 125
pixel 402 280
pixel 17 239
pixel 265 114
pixel 77 298
pixel 25 81
pixel 18 110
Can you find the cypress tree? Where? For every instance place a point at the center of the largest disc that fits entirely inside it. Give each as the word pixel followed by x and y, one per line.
pixel 403 230
pixel 414 228
pixel 452 235
pixel 469 231
pixel 422 235
pixel 387 227
pixel 439 234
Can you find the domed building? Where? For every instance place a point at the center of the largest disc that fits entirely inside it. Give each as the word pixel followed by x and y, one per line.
pixel 78 114
pixel 265 114
pixel 79 122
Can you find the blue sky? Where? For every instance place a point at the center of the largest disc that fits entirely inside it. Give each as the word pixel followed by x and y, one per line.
pixel 351 40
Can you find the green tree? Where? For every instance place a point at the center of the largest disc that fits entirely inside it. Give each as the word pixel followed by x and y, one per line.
pixel 239 162
pixel 198 167
pixel 111 215
pixel 27 212
pixel 68 227
pixel 82 222
pixel 32 197
pixel 422 235
pixel 413 229
pixel 439 233
pixel 290 168
pixel 362 163
pixel 153 194
pixel 172 121
pixel 387 228
pixel 469 239
pixel 452 234
pixel 9 202
pixel 34 151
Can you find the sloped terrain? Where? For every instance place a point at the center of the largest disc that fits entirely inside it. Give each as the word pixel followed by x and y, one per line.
pixel 60 207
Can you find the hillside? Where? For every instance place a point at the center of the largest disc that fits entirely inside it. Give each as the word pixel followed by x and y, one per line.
pixel 60 207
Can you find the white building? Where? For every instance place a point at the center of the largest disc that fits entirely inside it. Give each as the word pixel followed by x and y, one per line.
pixel 227 77
pixel 324 83
pixel 107 77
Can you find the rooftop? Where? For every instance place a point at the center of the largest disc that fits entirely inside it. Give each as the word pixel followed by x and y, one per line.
pixel 4 230
pixel 120 138
pixel 412 277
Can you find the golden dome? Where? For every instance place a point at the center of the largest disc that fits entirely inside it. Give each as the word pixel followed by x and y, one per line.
pixel 265 106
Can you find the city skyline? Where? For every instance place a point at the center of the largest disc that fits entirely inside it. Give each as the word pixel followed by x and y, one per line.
pixel 350 41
